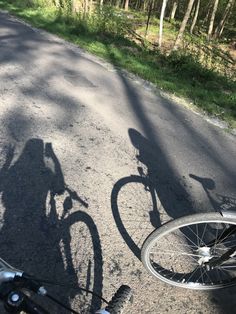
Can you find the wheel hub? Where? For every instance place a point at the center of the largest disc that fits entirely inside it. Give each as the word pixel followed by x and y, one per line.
pixel 205 255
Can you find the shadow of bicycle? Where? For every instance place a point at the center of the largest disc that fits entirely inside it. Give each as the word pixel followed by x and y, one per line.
pixel 42 233
pixel 142 203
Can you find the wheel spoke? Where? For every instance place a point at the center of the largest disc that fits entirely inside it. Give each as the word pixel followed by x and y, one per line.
pixel 177 253
pixel 232 241
pixel 228 235
pixel 204 230
pixel 190 239
pixel 193 272
pixel 227 267
pixel 196 235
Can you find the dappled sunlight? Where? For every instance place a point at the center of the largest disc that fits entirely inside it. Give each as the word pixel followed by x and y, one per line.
pixel 117 141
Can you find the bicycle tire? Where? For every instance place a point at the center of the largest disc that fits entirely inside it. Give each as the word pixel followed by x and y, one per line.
pixel 119 300
pixel 182 229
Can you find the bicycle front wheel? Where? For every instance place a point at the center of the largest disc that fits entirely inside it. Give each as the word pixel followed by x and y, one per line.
pixel 177 252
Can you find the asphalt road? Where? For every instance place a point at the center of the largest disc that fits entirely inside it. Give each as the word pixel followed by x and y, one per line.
pixel 75 134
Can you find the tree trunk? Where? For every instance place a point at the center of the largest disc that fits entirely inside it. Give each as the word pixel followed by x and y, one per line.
pixel 210 29
pixel 149 16
pixel 117 4
pixel 158 6
pixel 137 5
pixel 173 11
pixel 85 7
pixel 145 5
pixel 126 5
pixel 195 16
pixel 163 8
pixel 101 3
pixel 220 26
pixel 208 9
pixel 183 24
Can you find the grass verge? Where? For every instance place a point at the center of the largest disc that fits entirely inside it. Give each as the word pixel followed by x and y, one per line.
pixel 177 73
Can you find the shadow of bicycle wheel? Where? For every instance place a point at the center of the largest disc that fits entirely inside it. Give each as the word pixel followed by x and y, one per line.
pixel 134 208
pixel 82 254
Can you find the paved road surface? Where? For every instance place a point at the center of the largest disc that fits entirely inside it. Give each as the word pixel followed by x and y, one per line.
pixel 73 133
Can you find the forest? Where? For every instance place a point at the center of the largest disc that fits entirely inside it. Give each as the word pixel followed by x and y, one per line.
pixel 185 47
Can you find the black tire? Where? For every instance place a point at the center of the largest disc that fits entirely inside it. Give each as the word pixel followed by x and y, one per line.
pixel 192 234
pixel 119 300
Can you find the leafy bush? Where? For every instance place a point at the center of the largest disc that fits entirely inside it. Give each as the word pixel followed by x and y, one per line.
pixel 190 67
pixel 107 19
pixel 102 20
pixel 32 3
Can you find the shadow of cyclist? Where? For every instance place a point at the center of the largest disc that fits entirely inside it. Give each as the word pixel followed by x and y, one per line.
pixel 168 197
pixel 25 186
pixel 32 235
pixel 172 195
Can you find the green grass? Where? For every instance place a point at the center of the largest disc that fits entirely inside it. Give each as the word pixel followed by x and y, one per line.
pixel 178 74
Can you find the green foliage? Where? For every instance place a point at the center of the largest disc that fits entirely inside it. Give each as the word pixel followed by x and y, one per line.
pixel 186 65
pixel 108 20
pixel 23 3
pixel 180 72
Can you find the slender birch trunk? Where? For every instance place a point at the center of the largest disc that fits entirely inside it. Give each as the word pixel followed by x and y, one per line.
pixel 163 8
pixel 173 11
pixel 211 25
pixel 149 17
pixel 126 5
pixel 195 16
pixel 183 24
pixel 220 26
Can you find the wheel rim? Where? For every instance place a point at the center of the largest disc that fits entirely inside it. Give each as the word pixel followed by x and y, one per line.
pixel 178 256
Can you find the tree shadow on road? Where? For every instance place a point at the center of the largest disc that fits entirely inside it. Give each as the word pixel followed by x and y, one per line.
pixel 40 235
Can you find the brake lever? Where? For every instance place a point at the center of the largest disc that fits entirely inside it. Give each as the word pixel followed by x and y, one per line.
pixel 7 272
